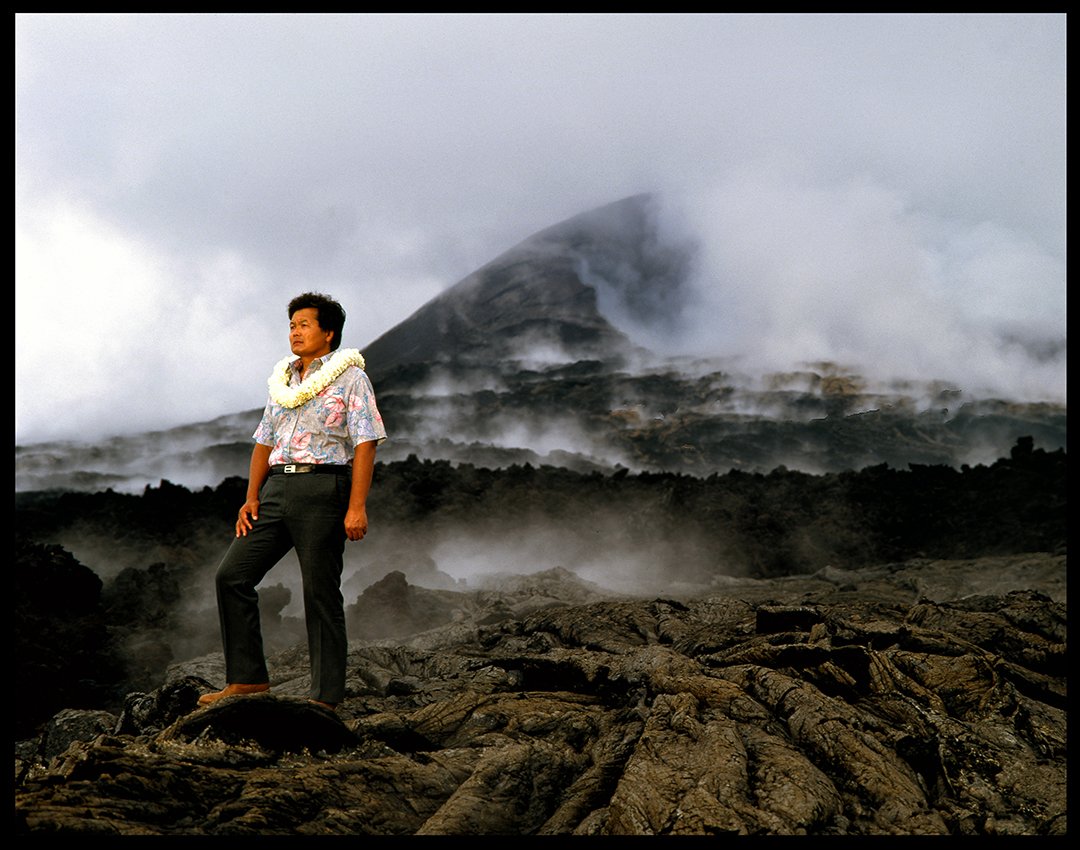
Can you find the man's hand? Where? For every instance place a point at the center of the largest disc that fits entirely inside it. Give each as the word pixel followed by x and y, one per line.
pixel 248 514
pixel 362 469
pixel 356 523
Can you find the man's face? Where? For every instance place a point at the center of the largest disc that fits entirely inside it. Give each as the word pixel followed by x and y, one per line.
pixel 306 338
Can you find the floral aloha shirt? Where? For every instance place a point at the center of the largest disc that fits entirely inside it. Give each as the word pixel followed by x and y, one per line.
pixel 327 428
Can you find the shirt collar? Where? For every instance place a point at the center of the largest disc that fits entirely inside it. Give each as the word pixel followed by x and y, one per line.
pixel 315 366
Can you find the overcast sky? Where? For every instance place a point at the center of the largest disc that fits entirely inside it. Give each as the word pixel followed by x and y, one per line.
pixel 877 188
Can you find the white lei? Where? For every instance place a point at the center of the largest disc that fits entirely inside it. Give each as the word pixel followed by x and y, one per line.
pixel 313 384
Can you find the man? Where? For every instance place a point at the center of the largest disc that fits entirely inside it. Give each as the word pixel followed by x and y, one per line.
pixel 310 473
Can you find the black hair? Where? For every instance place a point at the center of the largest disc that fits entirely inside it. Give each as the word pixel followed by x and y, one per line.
pixel 331 314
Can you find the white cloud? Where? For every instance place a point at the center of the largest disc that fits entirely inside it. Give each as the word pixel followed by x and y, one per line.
pixel 908 170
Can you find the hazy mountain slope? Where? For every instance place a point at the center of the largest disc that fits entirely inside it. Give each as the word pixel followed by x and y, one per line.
pixel 522 362
pixel 534 297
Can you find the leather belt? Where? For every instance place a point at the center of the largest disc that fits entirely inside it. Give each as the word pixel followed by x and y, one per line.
pixel 295 468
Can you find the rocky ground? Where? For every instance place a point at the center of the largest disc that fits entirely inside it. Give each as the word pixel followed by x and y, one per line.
pixel 918 697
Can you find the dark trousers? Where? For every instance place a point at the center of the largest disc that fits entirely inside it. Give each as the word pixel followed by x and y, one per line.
pixel 305 512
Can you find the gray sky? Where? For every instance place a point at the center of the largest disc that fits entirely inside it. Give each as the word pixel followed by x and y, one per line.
pixel 878 189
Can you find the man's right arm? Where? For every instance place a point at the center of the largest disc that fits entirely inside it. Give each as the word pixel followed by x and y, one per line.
pixel 259 469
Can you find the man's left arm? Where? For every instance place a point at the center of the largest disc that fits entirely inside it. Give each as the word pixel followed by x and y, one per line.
pixel 363 468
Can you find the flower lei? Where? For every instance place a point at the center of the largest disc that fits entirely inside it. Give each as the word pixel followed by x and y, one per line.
pixel 281 393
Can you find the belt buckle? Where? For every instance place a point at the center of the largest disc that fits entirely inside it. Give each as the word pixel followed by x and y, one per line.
pixel 289 468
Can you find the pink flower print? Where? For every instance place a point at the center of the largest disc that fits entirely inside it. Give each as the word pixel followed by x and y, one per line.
pixel 300 447
pixel 335 412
